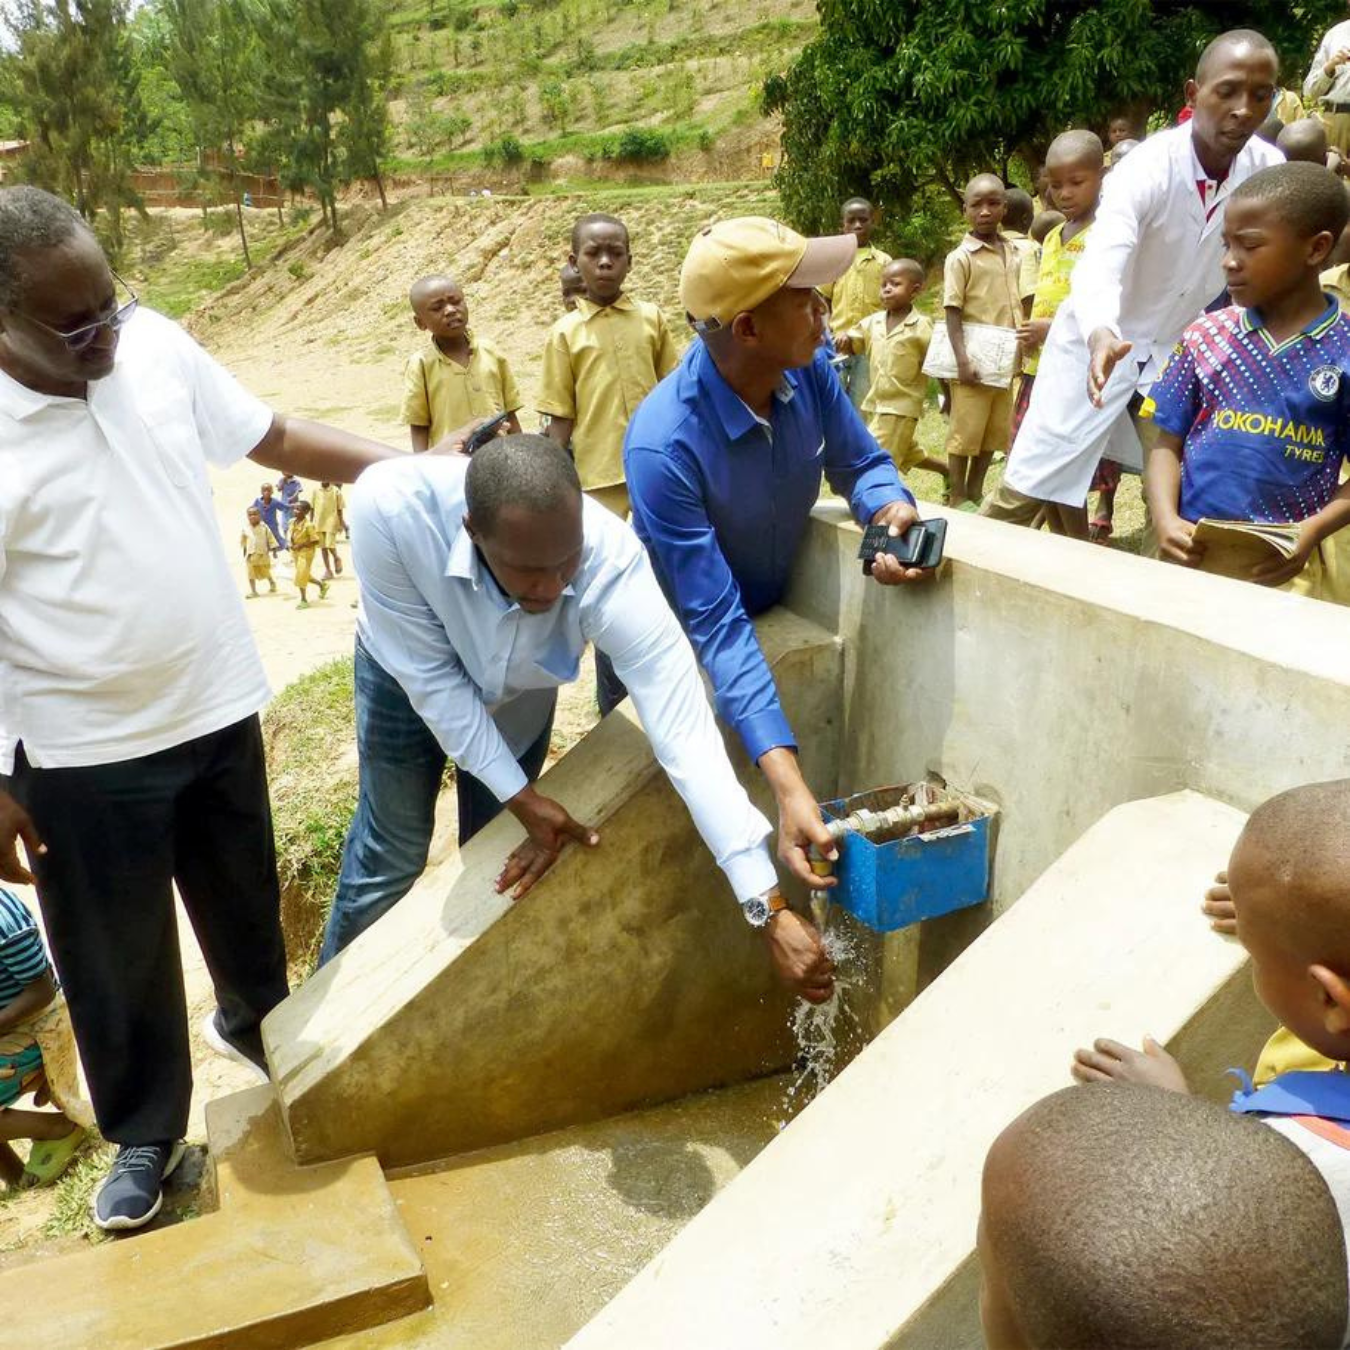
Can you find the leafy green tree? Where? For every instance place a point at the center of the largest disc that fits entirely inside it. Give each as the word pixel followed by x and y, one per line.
pixel 213 54
pixel 899 97
pixel 70 77
pixel 323 96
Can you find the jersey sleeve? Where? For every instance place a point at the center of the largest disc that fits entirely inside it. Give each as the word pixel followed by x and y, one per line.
pixel 1175 395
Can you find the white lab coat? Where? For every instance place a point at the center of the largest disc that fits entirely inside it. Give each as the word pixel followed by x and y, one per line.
pixel 1151 265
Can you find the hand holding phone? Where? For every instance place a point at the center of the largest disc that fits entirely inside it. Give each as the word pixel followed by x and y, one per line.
pixel 920 546
pixel 485 433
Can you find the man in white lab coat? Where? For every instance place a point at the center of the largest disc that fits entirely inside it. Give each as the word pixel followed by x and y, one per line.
pixel 1152 263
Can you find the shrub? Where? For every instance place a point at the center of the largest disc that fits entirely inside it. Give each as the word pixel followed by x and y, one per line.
pixel 507 150
pixel 643 145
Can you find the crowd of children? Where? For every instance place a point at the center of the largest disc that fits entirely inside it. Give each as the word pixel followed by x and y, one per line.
pixel 283 521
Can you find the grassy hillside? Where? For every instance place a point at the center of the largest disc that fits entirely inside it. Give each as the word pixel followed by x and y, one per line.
pixel 562 80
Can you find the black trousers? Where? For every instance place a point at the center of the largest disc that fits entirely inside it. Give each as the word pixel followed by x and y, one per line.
pixel 118 836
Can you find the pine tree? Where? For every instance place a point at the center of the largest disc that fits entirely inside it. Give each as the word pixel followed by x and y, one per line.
pixel 214 57
pixel 72 82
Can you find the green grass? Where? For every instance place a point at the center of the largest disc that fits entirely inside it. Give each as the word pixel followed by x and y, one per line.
pixel 176 288
pixel 307 727
pixel 70 1214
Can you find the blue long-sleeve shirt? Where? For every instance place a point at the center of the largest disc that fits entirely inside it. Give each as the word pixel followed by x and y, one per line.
pixel 721 498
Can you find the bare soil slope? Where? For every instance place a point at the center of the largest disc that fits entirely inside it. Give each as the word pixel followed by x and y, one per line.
pixel 324 328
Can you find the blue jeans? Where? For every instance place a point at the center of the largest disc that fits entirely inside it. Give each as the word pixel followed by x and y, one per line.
pixel 400 769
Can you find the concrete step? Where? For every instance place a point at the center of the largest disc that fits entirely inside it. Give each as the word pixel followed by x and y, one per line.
pixel 525 1242
pixel 855 1229
pixel 293 1255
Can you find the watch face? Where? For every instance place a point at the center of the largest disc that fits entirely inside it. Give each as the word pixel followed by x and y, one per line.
pixel 756 912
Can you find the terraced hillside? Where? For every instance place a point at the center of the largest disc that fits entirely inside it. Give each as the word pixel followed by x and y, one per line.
pixel 558 83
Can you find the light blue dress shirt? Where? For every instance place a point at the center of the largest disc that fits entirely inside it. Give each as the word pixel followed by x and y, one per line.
pixel 481 672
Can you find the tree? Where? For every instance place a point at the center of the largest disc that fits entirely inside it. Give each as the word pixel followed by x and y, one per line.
pixel 324 90
pixel 213 55
pixel 897 96
pixel 70 78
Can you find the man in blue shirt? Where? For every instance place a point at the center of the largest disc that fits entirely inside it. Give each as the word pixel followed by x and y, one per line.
pixel 723 461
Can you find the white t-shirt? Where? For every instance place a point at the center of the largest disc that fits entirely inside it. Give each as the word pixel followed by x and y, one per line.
pixel 122 631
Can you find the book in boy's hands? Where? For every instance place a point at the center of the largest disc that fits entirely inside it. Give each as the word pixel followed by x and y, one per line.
pixel 1234 547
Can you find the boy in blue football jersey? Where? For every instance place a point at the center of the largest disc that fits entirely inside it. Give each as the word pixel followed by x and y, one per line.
pixel 1254 406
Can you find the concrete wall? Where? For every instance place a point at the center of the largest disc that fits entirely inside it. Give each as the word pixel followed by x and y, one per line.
pixel 855 1228
pixel 627 977
pixel 1060 681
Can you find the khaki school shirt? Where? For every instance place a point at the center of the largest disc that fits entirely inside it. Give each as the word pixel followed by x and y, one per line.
pixel 1029 261
pixel 442 395
pixel 257 540
pixel 600 362
pixel 896 359
pixel 1336 282
pixel 328 503
pixel 858 292
pixel 983 281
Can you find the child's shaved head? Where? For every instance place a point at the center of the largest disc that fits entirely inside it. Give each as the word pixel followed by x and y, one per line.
pixel 1294 856
pixel 983 183
pixel 1044 223
pixel 1304 141
pixel 904 267
pixel 1076 147
pixel 1021 210
pixel 424 287
pixel 1307 197
pixel 589 222
pixel 1129 1217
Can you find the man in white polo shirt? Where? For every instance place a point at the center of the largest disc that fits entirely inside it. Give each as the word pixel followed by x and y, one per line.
pixel 130 750
pixel 1151 264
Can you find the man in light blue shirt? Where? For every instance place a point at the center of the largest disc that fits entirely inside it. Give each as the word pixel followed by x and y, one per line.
pixel 481 583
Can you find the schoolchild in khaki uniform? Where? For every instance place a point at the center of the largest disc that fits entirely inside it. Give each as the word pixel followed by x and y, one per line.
pixel 981 284
pixel 455 377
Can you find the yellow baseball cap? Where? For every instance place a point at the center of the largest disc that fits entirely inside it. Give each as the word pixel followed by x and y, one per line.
pixel 736 265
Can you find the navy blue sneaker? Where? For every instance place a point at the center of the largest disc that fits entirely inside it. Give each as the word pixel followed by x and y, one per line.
pixel 132 1192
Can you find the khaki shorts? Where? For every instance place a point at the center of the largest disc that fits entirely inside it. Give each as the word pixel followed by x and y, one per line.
pixel 981 419
pixel 895 435
pixel 328 538
pixel 304 566
pixel 1006 503
pixel 259 567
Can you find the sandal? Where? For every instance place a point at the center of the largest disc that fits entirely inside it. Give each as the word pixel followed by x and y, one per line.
pixel 49 1158
pixel 1099 530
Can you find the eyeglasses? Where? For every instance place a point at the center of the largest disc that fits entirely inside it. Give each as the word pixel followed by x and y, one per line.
pixel 80 339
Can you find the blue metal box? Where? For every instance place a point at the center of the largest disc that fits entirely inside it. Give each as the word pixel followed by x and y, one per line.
pixel 892 883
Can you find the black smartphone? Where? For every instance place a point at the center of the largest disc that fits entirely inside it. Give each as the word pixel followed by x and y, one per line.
pixel 485 433
pixel 920 546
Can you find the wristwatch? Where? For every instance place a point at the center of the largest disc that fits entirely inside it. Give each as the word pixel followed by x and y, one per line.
pixel 759 909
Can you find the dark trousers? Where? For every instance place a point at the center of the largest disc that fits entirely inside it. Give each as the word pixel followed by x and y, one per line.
pixel 400 765
pixel 118 836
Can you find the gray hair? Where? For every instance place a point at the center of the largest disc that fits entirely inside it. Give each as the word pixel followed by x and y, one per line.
pixel 30 220
pixel 525 470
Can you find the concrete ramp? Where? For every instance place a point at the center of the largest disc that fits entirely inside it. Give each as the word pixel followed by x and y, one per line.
pixel 855 1229
pixel 626 978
